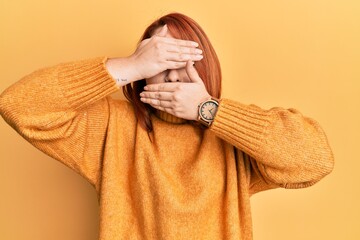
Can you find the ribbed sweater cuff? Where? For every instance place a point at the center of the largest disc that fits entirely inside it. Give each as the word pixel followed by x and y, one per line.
pixel 86 81
pixel 241 125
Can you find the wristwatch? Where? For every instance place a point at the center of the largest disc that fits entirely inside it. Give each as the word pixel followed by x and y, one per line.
pixel 207 111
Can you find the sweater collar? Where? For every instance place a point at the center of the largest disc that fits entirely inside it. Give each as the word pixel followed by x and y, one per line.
pixel 167 117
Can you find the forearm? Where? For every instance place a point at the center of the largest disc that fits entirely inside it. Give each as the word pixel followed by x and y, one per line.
pixel 288 147
pixel 63 110
pixel 123 70
pixel 55 93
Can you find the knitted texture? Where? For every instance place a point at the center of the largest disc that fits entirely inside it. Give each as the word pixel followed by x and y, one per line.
pixel 188 183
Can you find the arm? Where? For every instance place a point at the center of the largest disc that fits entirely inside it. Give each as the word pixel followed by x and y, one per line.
pixel 63 110
pixel 281 147
pixel 123 70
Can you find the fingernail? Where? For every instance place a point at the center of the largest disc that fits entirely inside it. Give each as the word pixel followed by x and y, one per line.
pixel 146 88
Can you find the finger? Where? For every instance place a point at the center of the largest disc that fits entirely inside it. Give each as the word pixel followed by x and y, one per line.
pixel 162 32
pixel 180 49
pixel 143 42
pixel 180 42
pixel 157 102
pixel 192 73
pixel 162 87
pixel 181 57
pixel 157 95
pixel 168 110
pixel 175 65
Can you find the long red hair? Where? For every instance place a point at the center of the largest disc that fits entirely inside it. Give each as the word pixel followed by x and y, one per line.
pixel 182 27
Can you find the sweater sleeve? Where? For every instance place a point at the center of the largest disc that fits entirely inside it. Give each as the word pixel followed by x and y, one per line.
pixel 281 147
pixel 63 111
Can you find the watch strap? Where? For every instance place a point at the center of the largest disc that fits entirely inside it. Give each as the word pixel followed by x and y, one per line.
pixel 207 123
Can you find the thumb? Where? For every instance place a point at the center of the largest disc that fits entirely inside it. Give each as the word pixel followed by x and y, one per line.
pixel 163 31
pixel 192 73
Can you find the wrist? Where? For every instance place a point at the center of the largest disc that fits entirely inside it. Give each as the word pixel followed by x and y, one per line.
pixel 134 68
pixel 123 70
pixel 207 110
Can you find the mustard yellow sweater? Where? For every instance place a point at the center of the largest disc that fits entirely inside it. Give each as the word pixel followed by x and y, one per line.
pixel 187 184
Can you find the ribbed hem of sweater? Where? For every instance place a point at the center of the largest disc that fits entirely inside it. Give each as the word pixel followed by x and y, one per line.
pixel 244 124
pixel 86 81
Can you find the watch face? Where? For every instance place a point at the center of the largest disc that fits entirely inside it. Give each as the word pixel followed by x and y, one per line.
pixel 208 110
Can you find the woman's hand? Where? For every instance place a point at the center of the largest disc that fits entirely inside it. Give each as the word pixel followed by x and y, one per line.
pixel 180 99
pixel 159 53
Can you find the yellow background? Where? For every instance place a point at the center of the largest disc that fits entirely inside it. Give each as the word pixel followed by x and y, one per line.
pixel 289 53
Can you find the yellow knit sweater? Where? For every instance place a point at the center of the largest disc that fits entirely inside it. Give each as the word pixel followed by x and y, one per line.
pixel 189 183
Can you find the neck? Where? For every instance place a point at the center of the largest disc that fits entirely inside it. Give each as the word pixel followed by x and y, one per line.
pixel 167 117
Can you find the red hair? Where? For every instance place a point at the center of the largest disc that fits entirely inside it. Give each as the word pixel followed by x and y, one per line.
pixel 181 27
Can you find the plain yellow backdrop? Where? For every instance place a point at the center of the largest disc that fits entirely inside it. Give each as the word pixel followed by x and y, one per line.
pixel 288 53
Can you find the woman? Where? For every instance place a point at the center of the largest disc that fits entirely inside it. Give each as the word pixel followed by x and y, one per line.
pixel 176 161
